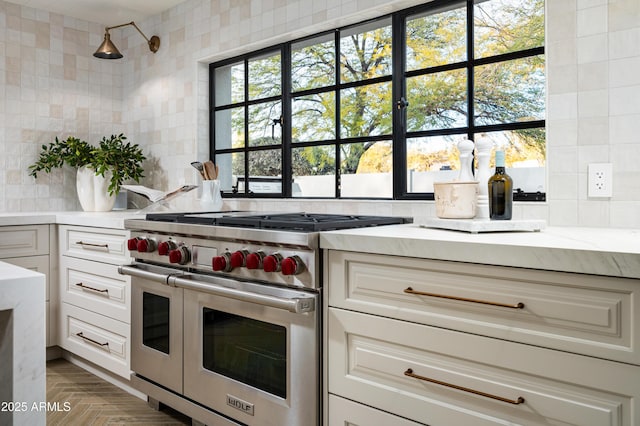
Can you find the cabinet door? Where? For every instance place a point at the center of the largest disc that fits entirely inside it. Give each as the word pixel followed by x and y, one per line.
pixel 38 264
pixel 441 377
pixel 343 412
pixel 586 314
pixel 34 263
pixel 27 240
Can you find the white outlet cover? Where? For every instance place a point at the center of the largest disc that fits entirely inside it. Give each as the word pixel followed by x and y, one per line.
pixel 600 180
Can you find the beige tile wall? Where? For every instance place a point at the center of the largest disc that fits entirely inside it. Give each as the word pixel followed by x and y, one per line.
pixel 51 85
pixel 593 58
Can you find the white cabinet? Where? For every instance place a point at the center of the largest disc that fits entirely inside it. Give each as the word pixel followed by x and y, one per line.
pixel 348 413
pixel 95 313
pixel 28 246
pixel 443 343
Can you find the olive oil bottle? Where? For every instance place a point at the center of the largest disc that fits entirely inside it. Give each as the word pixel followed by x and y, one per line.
pixel 500 191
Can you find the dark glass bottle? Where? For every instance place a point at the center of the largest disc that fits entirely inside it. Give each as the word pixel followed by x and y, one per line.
pixel 500 191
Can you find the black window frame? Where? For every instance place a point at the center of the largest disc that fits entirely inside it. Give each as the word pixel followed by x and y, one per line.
pixel 397 78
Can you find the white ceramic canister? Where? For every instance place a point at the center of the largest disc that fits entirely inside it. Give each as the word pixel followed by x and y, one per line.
pixel 211 198
pixel 456 200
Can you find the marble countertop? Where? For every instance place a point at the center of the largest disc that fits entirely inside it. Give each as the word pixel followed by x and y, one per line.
pixel 112 219
pixel 600 251
pixel 22 319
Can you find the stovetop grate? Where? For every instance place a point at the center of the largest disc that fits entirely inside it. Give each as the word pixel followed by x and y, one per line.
pixel 300 222
pixel 307 222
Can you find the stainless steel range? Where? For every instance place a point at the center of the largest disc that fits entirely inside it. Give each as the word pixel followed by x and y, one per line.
pixel 226 313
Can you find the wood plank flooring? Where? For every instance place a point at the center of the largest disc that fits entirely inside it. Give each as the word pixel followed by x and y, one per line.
pixel 93 401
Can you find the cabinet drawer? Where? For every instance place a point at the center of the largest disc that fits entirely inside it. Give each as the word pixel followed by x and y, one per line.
pixel 585 314
pixel 349 413
pixel 100 244
pixel 458 376
pixel 96 338
pixel 95 286
pixel 27 240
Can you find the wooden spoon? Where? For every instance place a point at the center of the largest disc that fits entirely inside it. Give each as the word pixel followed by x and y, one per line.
pixel 209 170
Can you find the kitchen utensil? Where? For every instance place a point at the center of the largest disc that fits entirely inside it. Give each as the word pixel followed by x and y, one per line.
pixel 210 170
pixel 199 167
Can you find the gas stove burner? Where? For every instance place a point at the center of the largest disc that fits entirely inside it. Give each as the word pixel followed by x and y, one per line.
pixel 307 222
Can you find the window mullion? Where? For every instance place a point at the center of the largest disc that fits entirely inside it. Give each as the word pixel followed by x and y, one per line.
pixel 399 116
pixel 470 71
pixel 287 156
pixel 246 126
pixel 338 115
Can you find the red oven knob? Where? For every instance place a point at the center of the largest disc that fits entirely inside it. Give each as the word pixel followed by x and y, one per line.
pixel 254 260
pixel 271 263
pixel 292 266
pixel 132 244
pixel 239 258
pixel 180 255
pixel 166 246
pixel 222 263
pixel 146 245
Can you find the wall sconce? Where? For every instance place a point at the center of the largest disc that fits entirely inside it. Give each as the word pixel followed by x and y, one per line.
pixel 108 50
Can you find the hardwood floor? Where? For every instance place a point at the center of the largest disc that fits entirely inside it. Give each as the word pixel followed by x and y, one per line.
pixel 84 399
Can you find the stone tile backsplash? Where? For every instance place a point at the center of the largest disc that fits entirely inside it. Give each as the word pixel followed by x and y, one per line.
pixel 51 85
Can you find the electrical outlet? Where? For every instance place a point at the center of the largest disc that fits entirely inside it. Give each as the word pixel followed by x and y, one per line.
pixel 600 180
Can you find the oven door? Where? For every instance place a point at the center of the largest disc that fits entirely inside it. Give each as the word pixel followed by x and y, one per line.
pixel 253 355
pixel 156 326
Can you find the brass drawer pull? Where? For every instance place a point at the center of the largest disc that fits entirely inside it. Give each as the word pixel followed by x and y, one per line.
pixel 97 290
pixel 518 305
pixel 95 342
pixel 516 401
pixel 93 246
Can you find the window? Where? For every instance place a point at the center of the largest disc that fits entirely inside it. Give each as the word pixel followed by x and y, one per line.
pixel 375 110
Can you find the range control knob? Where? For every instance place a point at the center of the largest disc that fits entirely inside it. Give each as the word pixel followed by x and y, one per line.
pixel 146 245
pixel 132 244
pixel 222 262
pixel 272 262
pixel 254 260
pixel 292 266
pixel 180 255
pixel 239 258
pixel 166 246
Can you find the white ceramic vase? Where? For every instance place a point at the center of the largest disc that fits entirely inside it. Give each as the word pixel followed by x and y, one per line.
pixel 93 191
pixel 211 198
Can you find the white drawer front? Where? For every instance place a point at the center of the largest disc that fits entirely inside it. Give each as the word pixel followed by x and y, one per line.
pixel 348 413
pixel 100 244
pixel 99 339
pixel 27 240
pixel 579 313
pixel 370 357
pixel 97 287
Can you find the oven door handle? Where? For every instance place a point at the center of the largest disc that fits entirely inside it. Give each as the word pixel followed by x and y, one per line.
pixel 296 304
pixel 143 273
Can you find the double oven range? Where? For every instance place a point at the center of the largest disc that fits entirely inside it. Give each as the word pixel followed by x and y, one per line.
pixel 226 313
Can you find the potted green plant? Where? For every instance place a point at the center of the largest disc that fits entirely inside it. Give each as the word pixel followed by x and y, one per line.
pixel 101 170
